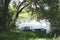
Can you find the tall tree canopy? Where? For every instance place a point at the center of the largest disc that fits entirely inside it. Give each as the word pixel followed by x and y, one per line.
pixel 48 9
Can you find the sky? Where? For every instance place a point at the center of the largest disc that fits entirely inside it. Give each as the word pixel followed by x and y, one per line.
pixel 15 1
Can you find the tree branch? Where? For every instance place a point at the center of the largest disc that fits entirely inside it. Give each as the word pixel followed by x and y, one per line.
pixel 20 4
pixel 16 16
pixel 21 10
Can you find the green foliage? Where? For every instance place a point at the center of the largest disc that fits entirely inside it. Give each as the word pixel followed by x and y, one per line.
pixel 12 12
pixel 37 13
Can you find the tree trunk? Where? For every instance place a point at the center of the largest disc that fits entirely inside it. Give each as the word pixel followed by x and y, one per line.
pixel 4 23
pixel 4 16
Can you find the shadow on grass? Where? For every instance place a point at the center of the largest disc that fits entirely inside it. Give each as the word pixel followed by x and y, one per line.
pixel 15 36
pixel 26 35
pixel 18 36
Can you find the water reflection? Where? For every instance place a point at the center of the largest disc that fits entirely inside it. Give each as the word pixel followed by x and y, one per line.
pixel 33 24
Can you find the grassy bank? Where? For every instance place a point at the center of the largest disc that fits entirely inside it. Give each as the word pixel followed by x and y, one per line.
pixel 19 36
pixel 27 35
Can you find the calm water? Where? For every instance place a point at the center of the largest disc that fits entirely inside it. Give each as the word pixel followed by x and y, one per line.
pixel 33 24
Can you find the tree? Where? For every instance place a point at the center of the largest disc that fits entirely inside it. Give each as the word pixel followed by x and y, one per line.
pixel 47 8
pixel 4 15
pixel 19 9
pixel 5 24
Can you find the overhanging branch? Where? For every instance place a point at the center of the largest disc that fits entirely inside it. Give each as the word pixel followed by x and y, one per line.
pixel 16 16
pixel 21 4
pixel 21 10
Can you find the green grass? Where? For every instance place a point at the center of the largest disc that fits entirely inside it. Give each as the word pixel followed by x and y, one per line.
pixel 18 36
pixel 28 35
pixel 43 39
